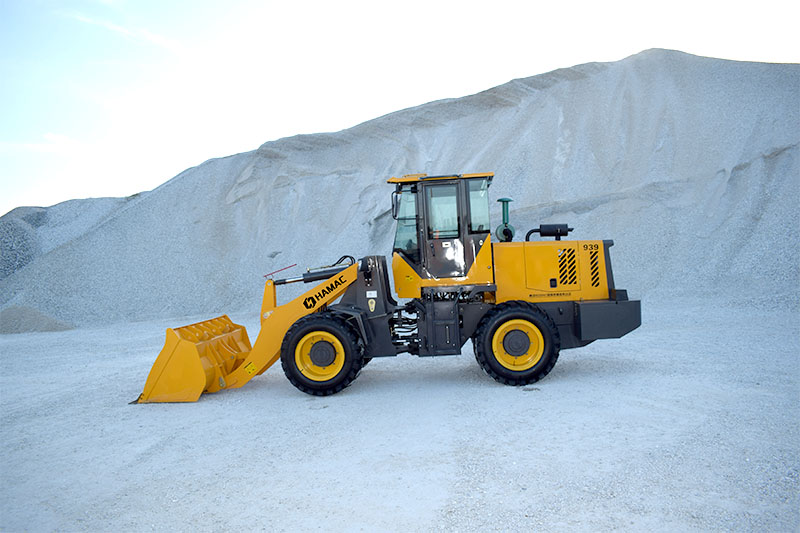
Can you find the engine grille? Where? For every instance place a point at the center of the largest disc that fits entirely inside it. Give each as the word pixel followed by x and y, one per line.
pixel 594 267
pixel 567 269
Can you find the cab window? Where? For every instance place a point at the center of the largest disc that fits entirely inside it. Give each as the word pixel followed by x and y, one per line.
pixel 442 211
pixel 405 240
pixel 479 206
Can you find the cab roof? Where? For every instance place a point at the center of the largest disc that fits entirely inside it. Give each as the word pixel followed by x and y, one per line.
pixel 412 178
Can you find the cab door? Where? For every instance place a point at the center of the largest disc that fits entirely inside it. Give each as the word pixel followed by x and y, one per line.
pixel 443 252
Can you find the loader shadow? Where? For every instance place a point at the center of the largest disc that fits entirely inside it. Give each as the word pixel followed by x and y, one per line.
pixel 428 374
pixel 569 369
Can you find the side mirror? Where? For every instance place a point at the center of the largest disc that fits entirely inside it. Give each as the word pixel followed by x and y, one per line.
pixel 395 204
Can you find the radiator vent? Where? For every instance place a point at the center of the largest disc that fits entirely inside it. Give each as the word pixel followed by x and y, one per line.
pixel 594 267
pixel 567 270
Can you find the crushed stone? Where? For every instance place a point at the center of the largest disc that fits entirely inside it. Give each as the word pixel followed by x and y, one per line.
pixel 691 165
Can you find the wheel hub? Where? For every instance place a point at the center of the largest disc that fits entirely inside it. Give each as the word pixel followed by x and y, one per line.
pixel 516 343
pixel 322 353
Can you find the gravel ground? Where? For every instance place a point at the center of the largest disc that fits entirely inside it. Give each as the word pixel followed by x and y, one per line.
pixel 689 423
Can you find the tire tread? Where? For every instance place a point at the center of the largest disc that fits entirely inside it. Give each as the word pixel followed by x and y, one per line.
pixel 486 323
pixel 322 319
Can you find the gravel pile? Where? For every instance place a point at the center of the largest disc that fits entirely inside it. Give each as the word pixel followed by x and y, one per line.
pixel 690 164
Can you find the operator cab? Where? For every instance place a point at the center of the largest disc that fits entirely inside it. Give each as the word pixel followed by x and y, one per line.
pixel 442 225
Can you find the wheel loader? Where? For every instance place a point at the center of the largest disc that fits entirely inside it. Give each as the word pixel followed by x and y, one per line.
pixel 519 303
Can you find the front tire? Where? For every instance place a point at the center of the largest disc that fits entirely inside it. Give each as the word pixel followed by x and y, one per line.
pixel 321 354
pixel 516 343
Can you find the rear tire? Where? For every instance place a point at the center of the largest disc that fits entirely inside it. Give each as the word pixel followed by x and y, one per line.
pixel 516 343
pixel 321 354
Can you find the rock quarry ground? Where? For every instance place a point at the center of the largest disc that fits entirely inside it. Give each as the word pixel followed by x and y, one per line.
pixel 689 423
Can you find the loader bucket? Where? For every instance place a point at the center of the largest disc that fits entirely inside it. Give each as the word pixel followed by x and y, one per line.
pixel 196 359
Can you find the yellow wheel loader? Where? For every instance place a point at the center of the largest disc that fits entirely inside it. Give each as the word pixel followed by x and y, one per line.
pixel 519 302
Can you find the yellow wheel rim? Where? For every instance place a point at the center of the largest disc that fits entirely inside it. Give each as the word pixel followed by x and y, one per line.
pixel 509 345
pixel 329 355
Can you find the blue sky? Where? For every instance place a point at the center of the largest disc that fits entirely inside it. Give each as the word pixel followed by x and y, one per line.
pixel 112 97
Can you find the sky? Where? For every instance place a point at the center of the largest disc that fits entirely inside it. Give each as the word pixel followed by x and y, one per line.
pixel 114 97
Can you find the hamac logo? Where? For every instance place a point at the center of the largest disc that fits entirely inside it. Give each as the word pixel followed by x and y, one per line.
pixel 311 301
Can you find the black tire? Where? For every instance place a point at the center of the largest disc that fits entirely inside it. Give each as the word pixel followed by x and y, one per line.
pixel 533 364
pixel 325 369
